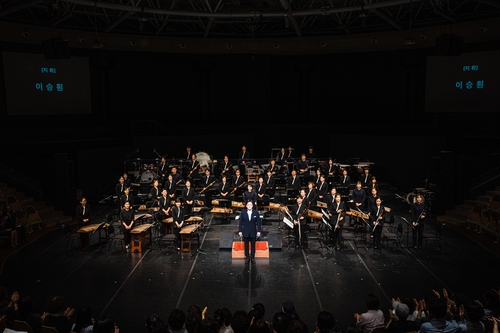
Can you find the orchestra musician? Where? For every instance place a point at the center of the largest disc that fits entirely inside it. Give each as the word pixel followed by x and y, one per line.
pixel 322 188
pixel 331 196
pixel 243 154
pixel 155 192
pixel 261 188
pixel 303 165
pixel 298 214
pixel 127 220
pixel 206 180
pixel 344 180
pixel 317 179
pixel 193 167
pixel 176 177
pixel 377 222
pixel 83 214
pixel 359 197
pixel 237 181
pixel 120 187
pixel 337 214
pixel 311 194
pixel 249 228
pixel 188 195
pixel 273 167
pixel 188 153
pixel 126 181
pixel 269 181
pixel 373 184
pixel 365 178
pixel 330 171
pixel 224 188
pixel 370 199
pixel 417 220
pixel 250 195
pixel 303 195
pixel 164 209
pixel 289 153
pixel 170 186
pixel 293 183
pixel 226 167
pixel 163 169
pixel 311 155
pixel 126 197
pixel 281 157
pixel 178 217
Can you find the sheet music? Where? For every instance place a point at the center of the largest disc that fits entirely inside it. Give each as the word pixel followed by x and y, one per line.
pixel 325 214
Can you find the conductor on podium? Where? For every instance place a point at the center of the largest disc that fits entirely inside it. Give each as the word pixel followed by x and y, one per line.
pixel 249 229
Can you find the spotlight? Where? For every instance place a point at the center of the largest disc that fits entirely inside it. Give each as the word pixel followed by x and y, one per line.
pixel 423 37
pixel 374 40
pixel 182 45
pixel 81 39
pixel 276 45
pixel 229 46
pixel 132 42
pixel 322 44
pixel 25 33
pixel 483 29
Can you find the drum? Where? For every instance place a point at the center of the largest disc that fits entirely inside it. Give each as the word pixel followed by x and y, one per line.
pixel 148 176
pixel 360 167
pixel 345 167
pixel 411 198
pixel 153 168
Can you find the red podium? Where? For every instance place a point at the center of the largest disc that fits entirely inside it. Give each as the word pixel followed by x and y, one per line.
pixel 261 249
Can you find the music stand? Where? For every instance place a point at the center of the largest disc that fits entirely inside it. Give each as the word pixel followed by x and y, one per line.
pixel 408 226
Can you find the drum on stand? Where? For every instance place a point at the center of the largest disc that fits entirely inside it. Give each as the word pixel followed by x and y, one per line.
pixel 360 167
pixel 148 176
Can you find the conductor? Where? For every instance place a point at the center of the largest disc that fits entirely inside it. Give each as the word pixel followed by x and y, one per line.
pixel 249 229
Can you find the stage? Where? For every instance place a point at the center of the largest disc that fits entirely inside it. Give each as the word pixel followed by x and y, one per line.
pixel 131 286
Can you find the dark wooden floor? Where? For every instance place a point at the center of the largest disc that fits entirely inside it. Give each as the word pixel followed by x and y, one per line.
pixel 131 286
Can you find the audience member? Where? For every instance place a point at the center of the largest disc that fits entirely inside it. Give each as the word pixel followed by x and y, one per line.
pixel 155 324
pixel 57 315
pixel 105 324
pixel 374 317
pixel 84 322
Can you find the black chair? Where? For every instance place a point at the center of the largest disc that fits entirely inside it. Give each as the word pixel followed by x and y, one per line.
pixel 114 237
pixel 394 236
pixel 22 326
pixel 435 236
pixel 70 235
pixel 350 234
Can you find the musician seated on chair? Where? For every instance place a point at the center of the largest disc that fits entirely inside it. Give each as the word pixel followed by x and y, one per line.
pixel 344 180
pixel 83 214
pixel 193 167
pixel 299 221
pixel 126 181
pixel 303 165
pixel 224 188
pixel 250 195
pixel 120 187
pixel 322 188
pixel 207 181
pixel 331 168
pixel 273 167
pixel 293 183
pixel 261 188
pixel 311 194
pixel 155 192
pixel 237 180
pixel 365 178
pixel 126 197
pixel 226 167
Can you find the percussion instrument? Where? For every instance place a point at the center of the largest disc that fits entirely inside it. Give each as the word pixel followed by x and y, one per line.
pixel 221 210
pixel 140 232
pixel 411 198
pixel 360 167
pixel 194 219
pixel 188 231
pixel 273 205
pixel 345 167
pixel 148 176
pixel 314 215
pixel 89 229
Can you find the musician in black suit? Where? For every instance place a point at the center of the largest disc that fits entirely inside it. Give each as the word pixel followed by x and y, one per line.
pixel 163 169
pixel 331 168
pixel 311 155
pixel 164 209
pixel 365 178
pixel 176 177
pixel 293 183
pixel 249 228
pixel 126 181
pixel 273 167
pixel 377 222
pixel 188 196
pixel 187 153
pixel 224 188
pixel 237 182
pixel 250 195
pixel 269 180
pixel 226 167
pixel 337 214
pixel 289 153
pixel 311 194
pixel 261 188
pixel 298 214
pixel 193 167
pixel 178 217
pixel 127 219
pixel 281 157
pixel 83 213
pixel 170 186
pixel 359 197
pixel 344 180
pixel 303 195
pixel 206 181
pixel 417 220
pixel 243 156
pixel 303 165
pixel 126 197
pixel 331 197
pixel 120 187
pixel 317 178
pixel 155 191
pixel 322 189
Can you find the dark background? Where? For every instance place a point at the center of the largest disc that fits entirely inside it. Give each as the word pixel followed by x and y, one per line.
pixel 367 105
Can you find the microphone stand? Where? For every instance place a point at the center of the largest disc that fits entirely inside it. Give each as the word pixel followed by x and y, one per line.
pixel 408 225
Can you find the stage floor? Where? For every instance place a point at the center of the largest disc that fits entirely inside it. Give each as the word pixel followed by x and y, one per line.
pixel 131 286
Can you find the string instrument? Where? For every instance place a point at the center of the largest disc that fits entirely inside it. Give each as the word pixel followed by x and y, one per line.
pixel 227 169
pixel 178 182
pixel 215 202
pixel 237 204
pixel 306 211
pixel 237 187
pixel 378 217
pixel 339 212
pixel 207 187
pixel 419 217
